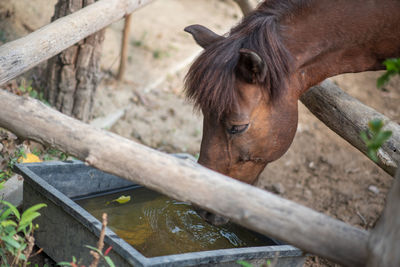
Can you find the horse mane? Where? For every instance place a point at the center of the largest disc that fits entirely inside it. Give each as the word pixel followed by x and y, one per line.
pixel 210 82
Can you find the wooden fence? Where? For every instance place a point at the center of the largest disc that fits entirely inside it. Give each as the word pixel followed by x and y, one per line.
pixel 249 206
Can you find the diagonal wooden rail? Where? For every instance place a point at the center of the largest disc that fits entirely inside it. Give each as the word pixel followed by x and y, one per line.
pixel 23 54
pixel 347 117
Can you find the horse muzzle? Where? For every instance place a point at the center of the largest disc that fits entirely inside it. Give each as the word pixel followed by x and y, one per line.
pixel 211 218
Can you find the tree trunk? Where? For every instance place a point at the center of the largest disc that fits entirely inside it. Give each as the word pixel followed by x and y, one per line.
pixel 73 75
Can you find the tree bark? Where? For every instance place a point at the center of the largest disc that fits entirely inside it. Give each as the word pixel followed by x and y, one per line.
pixel 384 240
pixel 73 75
pixel 247 205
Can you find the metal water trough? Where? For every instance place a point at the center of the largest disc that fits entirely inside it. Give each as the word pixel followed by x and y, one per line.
pixel 65 227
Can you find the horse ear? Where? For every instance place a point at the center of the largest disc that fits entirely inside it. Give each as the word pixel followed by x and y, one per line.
pixel 250 66
pixel 203 36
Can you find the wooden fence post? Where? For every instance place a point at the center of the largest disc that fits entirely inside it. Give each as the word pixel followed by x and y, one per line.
pixel 124 47
pixel 384 240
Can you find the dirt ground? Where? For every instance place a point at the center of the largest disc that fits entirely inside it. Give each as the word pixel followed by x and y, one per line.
pixel 320 170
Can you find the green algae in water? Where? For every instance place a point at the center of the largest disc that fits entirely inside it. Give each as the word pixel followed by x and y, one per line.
pixel 157 225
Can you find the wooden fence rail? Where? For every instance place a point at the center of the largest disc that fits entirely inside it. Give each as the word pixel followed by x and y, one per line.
pixel 347 117
pixel 23 54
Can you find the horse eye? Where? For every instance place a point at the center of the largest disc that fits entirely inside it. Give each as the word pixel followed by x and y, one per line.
pixel 236 129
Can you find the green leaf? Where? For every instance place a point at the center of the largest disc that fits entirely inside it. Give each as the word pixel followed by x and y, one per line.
pixel 244 263
pixel 390 64
pixel 381 81
pixel 8 222
pixel 94 249
pixel 64 263
pixel 364 137
pixel 27 219
pixel 375 125
pixel 11 241
pixel 5 214
pixel 381 137
pixel 109 261
pixel 22 256
pixel 372 155
pixel 12 207
pixel 34 208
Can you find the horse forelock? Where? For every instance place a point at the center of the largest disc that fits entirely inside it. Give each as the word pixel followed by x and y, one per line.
pixel 211 80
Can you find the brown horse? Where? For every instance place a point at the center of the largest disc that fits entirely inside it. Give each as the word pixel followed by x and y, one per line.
pixel 248 83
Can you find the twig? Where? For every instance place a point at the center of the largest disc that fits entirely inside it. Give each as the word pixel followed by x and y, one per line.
pixel 124 47
pixel 28 251
pixel 36 253
pixel 100 243
pixel 361 217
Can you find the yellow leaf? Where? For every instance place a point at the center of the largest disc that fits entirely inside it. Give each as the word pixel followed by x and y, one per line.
pixel 29 158
pixel 122 199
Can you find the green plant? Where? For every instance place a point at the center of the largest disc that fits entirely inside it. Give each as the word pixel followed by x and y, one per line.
pixel 140 42
pixel 158 54
pixel 95 252
pixel 247 264
pixel 26 88
pixel 16 233
pixel 52 153
pixel 12 160
pixel 392 69
pixel 75 263
pixel 374 137
pixel 18 153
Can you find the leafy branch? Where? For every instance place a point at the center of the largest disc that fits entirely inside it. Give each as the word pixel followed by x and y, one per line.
pixel 392 68
pixel 374 137
pixel 16 233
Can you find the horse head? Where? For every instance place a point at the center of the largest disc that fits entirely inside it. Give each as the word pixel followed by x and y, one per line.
pixel 246 125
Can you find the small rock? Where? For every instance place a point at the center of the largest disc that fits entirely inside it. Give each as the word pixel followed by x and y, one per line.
pixel 311 165
pixel 12 191
pixel 278 188
pixel 373 189
pixel 308 193
pixel 1 147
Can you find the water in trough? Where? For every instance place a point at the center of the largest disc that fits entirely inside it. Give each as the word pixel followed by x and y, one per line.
pixel 157 225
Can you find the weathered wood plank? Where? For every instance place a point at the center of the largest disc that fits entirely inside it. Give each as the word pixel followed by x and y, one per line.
pixel 384 240
pixel 247 205
pixel 22 54
pixel 347 117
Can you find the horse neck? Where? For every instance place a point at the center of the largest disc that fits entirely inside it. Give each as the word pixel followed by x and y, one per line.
pixel 333 37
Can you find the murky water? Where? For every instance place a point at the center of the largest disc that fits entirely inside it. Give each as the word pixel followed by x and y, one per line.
pixel 157 225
